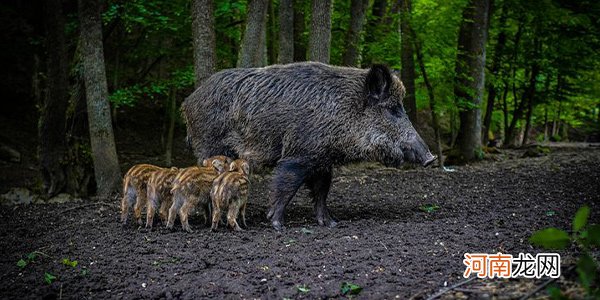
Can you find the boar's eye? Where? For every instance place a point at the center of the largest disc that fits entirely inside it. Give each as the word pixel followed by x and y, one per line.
pixel 397 111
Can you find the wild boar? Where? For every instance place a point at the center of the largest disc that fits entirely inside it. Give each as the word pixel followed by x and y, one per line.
pixel 134 190
pixel 192 187
pixel 230 191
pixel 303 119
pixel 159 188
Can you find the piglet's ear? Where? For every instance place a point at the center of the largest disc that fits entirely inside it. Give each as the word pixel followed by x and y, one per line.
pixel 246 168
pixel 218 165
pixel 377 84
pixel 232 167
pixel 205 163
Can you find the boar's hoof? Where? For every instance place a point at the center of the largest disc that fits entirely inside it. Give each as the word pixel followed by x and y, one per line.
pixel 277 225
pixel 326 220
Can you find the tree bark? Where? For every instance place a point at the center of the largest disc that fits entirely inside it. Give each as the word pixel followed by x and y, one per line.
pixel 53 147
pixel 358 9
pixel 496 63
pixel 204 40
pixel 526 98
pixel 299 28
pixel 172 112
pixel 431 94
pixel 104 154
pixel 253 42
pixel 286 32
pixel 407 59
pixel 470 76
pixel 319 43
pixel 272 36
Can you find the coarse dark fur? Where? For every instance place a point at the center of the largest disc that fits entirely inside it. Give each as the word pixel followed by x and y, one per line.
pixel 303 118
pixel 230 191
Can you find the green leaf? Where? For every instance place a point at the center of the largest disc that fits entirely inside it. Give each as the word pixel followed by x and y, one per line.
pixel 429 208
pixel 49 278
pixel 22 263
pixel 550 238
pixel 31 256
pixel 581 218
pixel 70 263
pixel 303 288
pixel 85 271
pixel 594 235
pixel 350 288
pixel 550 213
pixel 586 268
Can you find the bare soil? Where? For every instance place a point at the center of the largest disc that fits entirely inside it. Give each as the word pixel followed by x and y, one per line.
pixel 386 241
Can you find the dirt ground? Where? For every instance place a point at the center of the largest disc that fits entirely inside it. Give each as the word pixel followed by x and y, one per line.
pixel 386 241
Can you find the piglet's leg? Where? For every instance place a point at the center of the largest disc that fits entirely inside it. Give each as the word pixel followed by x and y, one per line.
pixel 319 184
pixel 289 176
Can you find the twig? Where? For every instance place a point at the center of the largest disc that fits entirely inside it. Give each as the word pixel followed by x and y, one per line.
pixel 86 205
pixel 451 288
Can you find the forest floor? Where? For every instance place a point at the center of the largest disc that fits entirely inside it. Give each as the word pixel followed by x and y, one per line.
pixel 402 234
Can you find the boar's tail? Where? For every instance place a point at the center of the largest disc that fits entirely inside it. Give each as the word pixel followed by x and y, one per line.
pixel 126 184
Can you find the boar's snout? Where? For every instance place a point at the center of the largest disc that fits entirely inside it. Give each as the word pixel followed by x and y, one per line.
pixel 419 152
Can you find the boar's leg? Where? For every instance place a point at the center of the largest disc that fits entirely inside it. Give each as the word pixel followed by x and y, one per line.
pixel 289 176
pixel 319 184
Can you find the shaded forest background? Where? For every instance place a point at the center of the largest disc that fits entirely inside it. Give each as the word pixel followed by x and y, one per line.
pixel 478 73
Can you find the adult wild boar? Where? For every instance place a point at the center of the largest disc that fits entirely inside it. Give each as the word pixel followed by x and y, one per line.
pixel 303 119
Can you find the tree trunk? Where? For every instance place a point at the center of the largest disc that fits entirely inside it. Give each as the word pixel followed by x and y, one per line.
pixel 470 76
pixel 286 32
pixel 527 97
pixel 505 108
pixel 204 40
pixel 358 9
pixel 319 43
pixel 253 42
pixel 407 60
pixel 104 154
pixel 496 63
pixel 271 39
pixel 172 113
pixel 53 147
pixel 430 93
pixel 299 28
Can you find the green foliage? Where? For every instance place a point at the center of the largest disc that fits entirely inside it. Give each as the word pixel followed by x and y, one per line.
pixel 551 238
pixel 350 289
pixel 22 263
pixel 69 263
pixel 586 237
pixel 429 208
pixel 49 278
pixel 303 288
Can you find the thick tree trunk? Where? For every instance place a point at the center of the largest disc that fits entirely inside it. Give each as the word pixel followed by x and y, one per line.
pixel 299 28
pixel 496 63
pixel 272 36
pixel 253 43
pixel 431 94
pixel 104 154
pixel 407 60
pixel 351 56
pixel 470 76
pixel 53 147
pixel 204 40
pixel 286 32
pixel 505 108
pixel 319 43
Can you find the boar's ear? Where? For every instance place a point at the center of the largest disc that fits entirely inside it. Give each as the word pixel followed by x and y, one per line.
pixel 377 84
pixel 218 165
pixel 232 166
